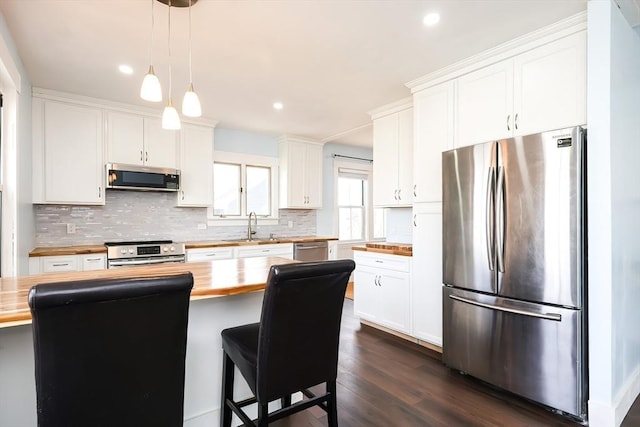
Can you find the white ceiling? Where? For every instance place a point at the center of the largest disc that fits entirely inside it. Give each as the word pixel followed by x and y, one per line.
pixel 328 61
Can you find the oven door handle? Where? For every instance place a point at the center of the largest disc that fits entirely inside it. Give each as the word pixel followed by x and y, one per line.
pixel 115 263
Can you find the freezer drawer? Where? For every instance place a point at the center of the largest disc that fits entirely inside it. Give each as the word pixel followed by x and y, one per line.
pixel 529 349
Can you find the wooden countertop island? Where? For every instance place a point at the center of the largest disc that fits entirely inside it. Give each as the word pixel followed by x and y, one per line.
pixel 226 293
pixel 211 279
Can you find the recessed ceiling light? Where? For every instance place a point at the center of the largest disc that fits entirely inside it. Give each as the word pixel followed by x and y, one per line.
pixel 431 19
pixel 125 69
pixel 278 105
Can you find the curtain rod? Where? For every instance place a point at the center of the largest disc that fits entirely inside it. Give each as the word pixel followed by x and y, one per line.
pixel 334 155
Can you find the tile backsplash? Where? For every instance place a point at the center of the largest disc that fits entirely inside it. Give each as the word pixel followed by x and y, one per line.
pixel 141 215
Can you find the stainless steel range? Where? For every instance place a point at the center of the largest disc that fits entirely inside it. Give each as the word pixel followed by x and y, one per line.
pixel 126 254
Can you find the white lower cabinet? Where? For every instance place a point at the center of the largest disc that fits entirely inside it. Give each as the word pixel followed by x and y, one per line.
pixel 65 263
pixel 209 254
pixel 426 282
pixel 284 250
pixel 382 290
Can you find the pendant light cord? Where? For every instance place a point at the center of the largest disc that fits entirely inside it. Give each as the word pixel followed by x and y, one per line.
pixel 151 41
pixel 169 45
pixel 190 75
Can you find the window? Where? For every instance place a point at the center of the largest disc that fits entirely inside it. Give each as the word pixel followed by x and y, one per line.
pixel 357 220
pixel 242 184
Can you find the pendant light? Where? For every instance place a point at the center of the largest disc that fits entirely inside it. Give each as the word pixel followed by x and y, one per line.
pixel 190 102
pixel 170 118
pixel 151 89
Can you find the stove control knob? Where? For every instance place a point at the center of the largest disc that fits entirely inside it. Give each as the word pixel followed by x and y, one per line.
pixel 173 249
pixel 123 251
pixel 131 250
pixel 165 248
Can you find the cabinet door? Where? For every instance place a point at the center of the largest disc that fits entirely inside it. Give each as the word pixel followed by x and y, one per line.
pixel 196 166
pixel 385 160
pixel 550 86
pixel 73 154
pixel 485 104
pixel 405 157
pixel 395 300
pixel 365 293
pixel 160 145
pixel 313 177
pixel 125 136
pixel 297 188
pixel 426 283
pixel 433 120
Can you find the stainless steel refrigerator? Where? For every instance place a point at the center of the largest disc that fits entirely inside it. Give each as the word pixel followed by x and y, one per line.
pixel 514 266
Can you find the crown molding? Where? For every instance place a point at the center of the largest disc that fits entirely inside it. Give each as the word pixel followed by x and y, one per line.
pixel 295 138
pixel 393 107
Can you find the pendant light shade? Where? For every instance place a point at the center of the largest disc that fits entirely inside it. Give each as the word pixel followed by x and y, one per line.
pixel 190 102
pixel 151 89
pixel 170 118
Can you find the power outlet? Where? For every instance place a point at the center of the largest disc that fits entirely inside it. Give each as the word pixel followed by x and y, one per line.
pixel 71 228
pixel 202 226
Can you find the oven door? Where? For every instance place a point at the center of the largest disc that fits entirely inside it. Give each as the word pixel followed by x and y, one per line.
pixel 131 262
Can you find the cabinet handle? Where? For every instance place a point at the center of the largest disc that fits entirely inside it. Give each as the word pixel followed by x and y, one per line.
pixel 146 156
pixel 414 191
pixel 414 220
pixel 99 192
pixel 210 255
pixel 182 194
pixel 140 155
pixel 379 261
pixel 508 120
pixel 92 259
pixel 266 250
pixel 380 280
pixel 395 194
pixel 516 121
pixel 375 280
pixel 399 196
pixel 64 264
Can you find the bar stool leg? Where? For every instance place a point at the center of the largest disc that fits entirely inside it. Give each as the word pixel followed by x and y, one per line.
pixel 285 402
pixel 332 405
pixel 263 415
pixel 227 390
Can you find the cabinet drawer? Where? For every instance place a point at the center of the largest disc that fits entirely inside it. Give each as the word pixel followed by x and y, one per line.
pixel 56 264
pixel 93 262
pixel 209 254
pixel 389 262
pixel 281 250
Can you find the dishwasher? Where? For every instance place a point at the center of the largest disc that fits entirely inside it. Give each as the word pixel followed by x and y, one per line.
pixel 311 251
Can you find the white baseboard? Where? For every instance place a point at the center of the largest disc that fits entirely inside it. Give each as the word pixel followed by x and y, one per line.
pixel 602 414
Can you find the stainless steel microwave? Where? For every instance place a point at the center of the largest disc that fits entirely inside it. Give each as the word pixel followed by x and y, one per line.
pixel 132 177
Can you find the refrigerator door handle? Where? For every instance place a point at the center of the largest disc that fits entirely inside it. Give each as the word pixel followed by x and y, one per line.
pixel 500 218
pixel 548 316
pixel 490 223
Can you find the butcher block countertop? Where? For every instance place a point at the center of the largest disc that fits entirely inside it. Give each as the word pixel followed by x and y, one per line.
pixel 402 249
pixel 98 248
pixel 211 279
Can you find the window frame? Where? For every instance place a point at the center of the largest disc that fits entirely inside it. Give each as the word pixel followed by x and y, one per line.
pixel 361 168
pixel 245 160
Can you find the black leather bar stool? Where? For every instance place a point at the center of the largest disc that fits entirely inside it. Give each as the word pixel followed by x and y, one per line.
pixel 111 352
pixel 295 345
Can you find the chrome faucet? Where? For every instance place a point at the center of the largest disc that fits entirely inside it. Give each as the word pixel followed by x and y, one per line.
pixel 250 231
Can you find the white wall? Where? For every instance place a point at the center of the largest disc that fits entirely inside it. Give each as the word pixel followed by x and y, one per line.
pixel 614 208
pixel 18 218
pixel 245 142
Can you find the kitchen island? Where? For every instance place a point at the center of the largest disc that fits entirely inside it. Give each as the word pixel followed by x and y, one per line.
pixel 226 293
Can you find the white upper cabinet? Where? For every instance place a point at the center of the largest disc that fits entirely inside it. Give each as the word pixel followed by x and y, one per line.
pixel 550 86
pixel 541 89
pixel 138 140
pixel 196 166
pixel 433 112
pixel 300 173
pixel 393 155
pixel 68 147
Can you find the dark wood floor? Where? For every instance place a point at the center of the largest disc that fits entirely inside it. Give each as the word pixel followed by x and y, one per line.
pixel 386 381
